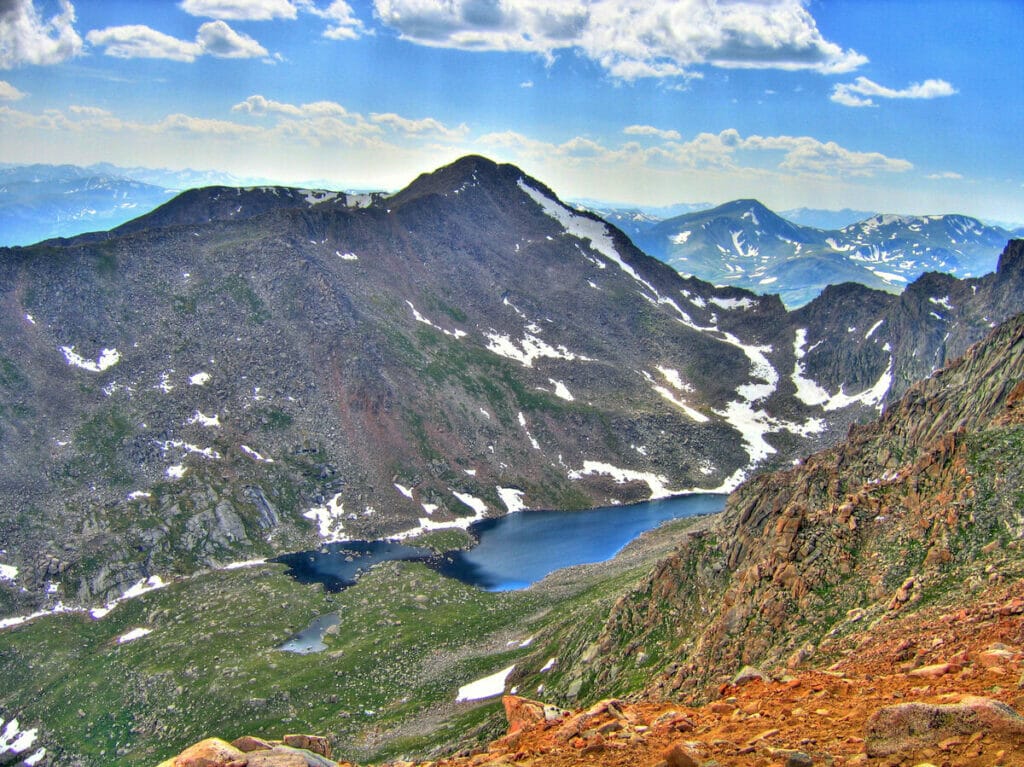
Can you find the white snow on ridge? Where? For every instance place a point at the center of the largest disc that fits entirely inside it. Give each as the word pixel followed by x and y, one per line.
pixel 811 393
pixel 807 391
pixel 199 379
pixel 680 238
pixel 329 519
pixel 871 331
pixel 8 573
pixel 733 303
pixel 585 229
pixel 488 687
pixel 943 302
pixel 656 482
pixel 107 359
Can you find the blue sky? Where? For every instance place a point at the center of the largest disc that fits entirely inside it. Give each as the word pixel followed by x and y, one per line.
pixel 891 105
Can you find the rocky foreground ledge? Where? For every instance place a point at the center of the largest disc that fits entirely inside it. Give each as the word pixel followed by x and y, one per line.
pixel 942 686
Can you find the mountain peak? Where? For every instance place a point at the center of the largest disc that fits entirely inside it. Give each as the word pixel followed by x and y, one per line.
pixel 465 173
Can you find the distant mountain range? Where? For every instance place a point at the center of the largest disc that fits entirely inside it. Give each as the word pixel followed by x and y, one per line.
pixel 40 202
pixel 246 371
pixel 745 244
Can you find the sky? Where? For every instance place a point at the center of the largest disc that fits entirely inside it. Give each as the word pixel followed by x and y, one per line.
pixel 897 106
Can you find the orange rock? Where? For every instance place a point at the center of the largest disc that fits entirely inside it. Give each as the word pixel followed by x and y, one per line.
pixel 212 752
pixel 248 743
pixel 315 743
pixel 677 755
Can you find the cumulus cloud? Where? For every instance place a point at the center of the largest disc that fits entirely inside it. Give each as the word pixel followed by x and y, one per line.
pixel 241 10
pixel 630 39
pixel 727 150
pixel 214 38
pixel 948 175
pixel 9 93
pixel 650 130
pixel 26 38
pixel 427 125
pixel 344 24
pixel 862 92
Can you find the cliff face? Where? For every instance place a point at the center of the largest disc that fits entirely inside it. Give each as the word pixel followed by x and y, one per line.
pixel 896 514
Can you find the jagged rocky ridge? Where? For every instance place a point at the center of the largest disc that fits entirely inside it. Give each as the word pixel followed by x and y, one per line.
pixel 901 513
pixel 249 371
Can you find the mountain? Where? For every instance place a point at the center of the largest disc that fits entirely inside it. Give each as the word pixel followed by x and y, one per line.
pixel 635 220
pixel 743 243
pixel 246 372
pixel 825 219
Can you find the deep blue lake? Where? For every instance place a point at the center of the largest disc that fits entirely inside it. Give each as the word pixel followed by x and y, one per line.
pixel 512 552
pixel 519 549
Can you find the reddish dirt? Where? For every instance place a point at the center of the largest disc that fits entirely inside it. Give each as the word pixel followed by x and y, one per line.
pixel 819 713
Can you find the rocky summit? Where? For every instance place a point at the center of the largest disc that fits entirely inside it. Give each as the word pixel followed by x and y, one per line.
pixel 247 371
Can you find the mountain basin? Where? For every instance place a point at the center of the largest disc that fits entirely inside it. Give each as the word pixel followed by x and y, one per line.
pixel 512 552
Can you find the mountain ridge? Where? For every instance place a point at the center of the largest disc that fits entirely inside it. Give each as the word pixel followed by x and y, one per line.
pixel 266 376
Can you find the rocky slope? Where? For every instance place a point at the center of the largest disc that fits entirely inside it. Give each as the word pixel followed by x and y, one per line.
pixel 249 371
pixel 745 244
pixel 903 513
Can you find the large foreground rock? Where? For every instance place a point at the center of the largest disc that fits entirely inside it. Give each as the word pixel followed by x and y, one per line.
pixel 908 726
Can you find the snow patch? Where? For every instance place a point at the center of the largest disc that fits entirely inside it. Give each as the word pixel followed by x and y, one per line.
pixel 131 636
pixel 8 573
pixel 329 519
pixel 561 390
pixel 656 482
pixel 254 455
pixel 420 318
pixel 141 587
pixel 488 687
pixel 533 441
pixel 512 498
pixel 199 379
pixel 733 303
pixel 872 330
pixel 205 420
pixel 346 256
pixel 680 238
pixel 177 471
pixel 404 490
pixel 477 505
pixel 14 740
pixel 527 350
pixel 107 359
pixel 137 495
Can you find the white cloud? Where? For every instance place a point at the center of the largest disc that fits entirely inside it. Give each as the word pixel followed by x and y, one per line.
pixel 650 130
pixel 137 41
pixel 25 38
pixel 345 25
pixel 945 176
pixel 862 91
pixel 241 10
pixel 421 126
pixel 89 111
pixel 630 39
pixel 218 39
pixel 9 93
pixel 214 38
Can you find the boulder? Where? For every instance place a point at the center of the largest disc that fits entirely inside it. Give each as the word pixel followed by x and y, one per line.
pixel 523 713
pixel 212 752
pixel 318 744
pixel 677 755
pixel 249 743
pixel 909 726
